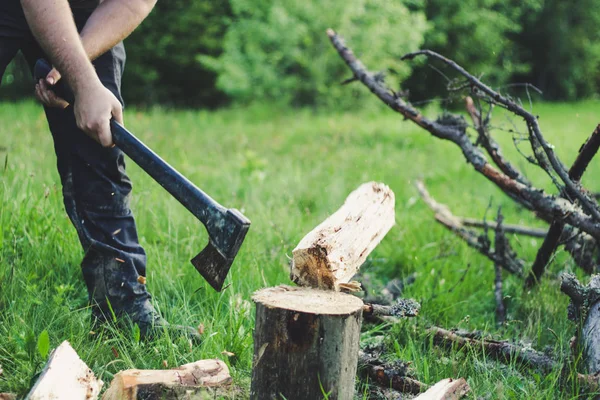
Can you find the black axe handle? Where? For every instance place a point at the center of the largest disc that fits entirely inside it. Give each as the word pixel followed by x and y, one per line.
pixel 214 216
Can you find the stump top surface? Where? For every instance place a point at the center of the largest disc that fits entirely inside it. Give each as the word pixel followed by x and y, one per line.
pixel 308 300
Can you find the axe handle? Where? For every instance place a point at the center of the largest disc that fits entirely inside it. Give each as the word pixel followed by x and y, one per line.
pixel 191 197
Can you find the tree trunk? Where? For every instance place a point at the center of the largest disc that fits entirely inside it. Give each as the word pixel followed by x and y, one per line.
pixel 306 344
pixel 331 254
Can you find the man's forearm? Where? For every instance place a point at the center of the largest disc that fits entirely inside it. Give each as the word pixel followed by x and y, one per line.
pixel 52 24
pixel 112 22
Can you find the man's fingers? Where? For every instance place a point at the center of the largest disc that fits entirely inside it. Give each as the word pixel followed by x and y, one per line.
pixel 53 76
pixel 47 96
pixel 104 134
pixel 117 113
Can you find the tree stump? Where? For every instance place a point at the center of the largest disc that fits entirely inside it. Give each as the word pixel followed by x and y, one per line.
pixel 306 344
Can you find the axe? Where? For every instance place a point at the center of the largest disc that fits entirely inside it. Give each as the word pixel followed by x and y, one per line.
pixel 226 227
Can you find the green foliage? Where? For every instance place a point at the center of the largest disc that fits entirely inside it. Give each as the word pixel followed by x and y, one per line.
pixel 43 344
pixel 561 41
pixel 278 50
pixel 161 54
pixel 477 34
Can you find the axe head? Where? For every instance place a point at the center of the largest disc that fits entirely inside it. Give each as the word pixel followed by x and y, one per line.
pixel 226 233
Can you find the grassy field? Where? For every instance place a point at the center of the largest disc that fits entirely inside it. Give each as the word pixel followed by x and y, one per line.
pixel 286 170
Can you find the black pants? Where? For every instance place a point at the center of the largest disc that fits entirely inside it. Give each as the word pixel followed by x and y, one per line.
pixel 96 189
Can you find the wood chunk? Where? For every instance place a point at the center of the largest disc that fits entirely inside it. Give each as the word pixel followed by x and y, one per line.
pixel 331 254
pixel 306 343
pixel 8 396
pixel 178 383
pixel 447 389
pixel 65 376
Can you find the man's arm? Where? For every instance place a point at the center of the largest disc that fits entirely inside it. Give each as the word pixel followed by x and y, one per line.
pixel 112 22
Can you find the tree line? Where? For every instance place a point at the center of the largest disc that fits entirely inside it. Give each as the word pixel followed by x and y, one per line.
pixel 207 54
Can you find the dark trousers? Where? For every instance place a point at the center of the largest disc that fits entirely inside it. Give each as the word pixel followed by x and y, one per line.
pixel 96 189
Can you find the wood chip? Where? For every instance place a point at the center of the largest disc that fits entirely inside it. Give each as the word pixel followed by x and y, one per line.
pixel 141 279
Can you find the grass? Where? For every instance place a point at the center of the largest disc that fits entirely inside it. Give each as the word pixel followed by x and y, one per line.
pixel 286 170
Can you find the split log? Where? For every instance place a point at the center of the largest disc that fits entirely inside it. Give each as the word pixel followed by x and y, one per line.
pixel 447 389
pixel 585 306
pixel 331 254
pixel 306 343
pixel 190 379
pixel 65 376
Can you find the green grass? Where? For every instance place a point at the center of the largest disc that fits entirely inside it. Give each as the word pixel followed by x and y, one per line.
pixel 286 170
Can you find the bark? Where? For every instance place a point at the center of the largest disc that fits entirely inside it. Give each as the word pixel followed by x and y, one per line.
pixel 188 381
pixel 331 254
pixel 306 343
pixel 65 376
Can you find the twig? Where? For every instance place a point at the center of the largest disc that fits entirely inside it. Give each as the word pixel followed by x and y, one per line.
pixel 443 215
pixel 389 375
pixel 508 228
pixel 402 308
pixel 498 350
pixel 551 242
pixel 500 244
pixel 536 137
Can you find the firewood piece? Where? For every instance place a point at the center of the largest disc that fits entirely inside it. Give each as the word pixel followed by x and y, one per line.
pixel 495 349
pixel 189 379
pixel 585 305
pixel 447 389
pixel 393 375
pixel 8 396
pixel 306 343
pixel 331 254
pixel 65 376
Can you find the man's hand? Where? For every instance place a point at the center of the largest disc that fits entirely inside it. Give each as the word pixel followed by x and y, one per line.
pixel 94 107
pixel 45 94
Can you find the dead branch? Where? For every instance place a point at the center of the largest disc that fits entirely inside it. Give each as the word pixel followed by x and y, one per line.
pixel 490 145
pixel 402 309
pixel 508 228
pixel 396 375
pixel 497 350
pixel 551 242
pixel 501 242
pixel 536 137
pixel 504 256
pixel 533 198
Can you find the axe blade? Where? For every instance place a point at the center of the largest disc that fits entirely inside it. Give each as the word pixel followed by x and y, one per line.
pixel 215 260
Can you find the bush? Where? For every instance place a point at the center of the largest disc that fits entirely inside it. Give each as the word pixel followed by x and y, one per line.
pixel 278 50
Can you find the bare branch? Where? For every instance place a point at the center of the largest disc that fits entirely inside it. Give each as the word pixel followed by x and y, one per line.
pixel 501 247
pixel 533 198
pixel 508 228
pixel 506 257
pixel 536 137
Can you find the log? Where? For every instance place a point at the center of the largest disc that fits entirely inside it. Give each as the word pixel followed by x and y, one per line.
pixel 188 380
pixel 447 389
pixel 65 376
pixel 331 254
pixel 306 343
pixel 391 375
pixel 585 306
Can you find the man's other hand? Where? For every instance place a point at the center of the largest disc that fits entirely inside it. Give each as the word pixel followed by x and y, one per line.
pixel 44 92
pixel 94 107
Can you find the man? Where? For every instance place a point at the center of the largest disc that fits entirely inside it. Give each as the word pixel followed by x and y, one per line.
pixel 96 189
